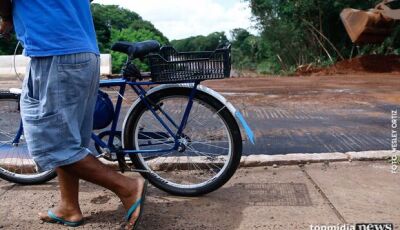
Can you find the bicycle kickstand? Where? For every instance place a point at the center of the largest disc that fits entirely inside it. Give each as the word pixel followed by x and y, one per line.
pixel 124 167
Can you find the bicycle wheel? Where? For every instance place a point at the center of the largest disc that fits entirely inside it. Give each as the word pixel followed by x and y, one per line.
pixel 16 165
pixel 211 144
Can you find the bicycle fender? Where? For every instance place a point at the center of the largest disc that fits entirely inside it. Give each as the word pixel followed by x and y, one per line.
pixel 15 90
pixel 235 112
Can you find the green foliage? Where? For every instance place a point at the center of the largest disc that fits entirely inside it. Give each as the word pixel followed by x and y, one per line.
pixel 114 16
pixel 390 46
pixel 245 48
pixel 200 43
pixel 7 47
pixel 132 35
pixel 305 31
pixel 114 23
pixel 107 17
pixel 292 33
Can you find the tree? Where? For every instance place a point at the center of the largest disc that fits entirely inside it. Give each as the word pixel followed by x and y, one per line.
pixel 131 35
pixel 114 23
pixel 7 47
pixel 297 30
pixel 245 49
pixel 201 43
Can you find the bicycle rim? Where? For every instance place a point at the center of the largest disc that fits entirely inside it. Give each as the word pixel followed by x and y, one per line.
pixel 209 144
pixel 16 164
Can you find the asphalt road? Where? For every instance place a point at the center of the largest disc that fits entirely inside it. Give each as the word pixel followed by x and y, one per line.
pixel 309 114
pixel 316 130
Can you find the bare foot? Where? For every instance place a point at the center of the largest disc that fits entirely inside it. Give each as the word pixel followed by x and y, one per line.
pixel 71 215
pixel 135 188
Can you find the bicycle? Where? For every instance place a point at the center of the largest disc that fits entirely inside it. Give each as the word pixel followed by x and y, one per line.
pixel 180 135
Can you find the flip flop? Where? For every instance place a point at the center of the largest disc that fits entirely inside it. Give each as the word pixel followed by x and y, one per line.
pixel 59 220
pixel 138 203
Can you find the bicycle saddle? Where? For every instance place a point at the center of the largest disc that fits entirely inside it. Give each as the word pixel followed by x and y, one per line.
pixel 137 49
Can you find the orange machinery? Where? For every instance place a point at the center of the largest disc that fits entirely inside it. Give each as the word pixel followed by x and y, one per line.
pixel 371 26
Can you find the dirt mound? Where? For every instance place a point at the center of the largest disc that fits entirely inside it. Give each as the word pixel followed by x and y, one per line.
pixel 364 64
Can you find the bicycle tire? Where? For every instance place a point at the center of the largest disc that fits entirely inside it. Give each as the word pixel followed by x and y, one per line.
pixel 131 139
pixel 5 172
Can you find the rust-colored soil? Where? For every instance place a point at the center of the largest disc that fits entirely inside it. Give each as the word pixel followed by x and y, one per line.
pixel 364 64
pixel 325 91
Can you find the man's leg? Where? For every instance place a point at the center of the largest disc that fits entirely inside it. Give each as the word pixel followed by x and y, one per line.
pixel 76 106
pixel 68 207
pixel 91 169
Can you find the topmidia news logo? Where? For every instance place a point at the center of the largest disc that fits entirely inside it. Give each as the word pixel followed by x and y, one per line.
pixel 374 227
pixel 369 226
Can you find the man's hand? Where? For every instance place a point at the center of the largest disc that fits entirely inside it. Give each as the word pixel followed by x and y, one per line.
pixel 6 28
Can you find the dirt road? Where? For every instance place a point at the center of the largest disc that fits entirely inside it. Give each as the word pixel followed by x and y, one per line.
pixel 337 90
pixel 336 113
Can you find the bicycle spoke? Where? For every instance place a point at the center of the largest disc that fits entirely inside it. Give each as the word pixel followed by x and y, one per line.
pixel 206 154
pixel 202 153
pixel 14 158
pixel 158 142
pixel 202 141
pixel 215 146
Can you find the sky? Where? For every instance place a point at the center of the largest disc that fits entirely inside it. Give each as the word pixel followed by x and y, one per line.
pixel 179 19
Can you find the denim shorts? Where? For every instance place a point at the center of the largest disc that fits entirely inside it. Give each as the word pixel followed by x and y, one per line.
pixel 57 106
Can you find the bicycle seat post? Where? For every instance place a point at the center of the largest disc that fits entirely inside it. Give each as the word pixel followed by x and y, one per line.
pixel 130 71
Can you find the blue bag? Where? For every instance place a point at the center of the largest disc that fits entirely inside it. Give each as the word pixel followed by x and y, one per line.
pixel 104 111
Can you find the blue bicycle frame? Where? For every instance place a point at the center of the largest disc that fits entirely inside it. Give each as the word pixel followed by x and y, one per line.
pixel 141 92
pixel 137 87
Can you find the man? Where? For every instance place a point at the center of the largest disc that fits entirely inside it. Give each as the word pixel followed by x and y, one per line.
pixel 58 99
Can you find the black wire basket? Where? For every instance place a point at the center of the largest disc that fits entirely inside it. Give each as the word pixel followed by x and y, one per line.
pixel 171 66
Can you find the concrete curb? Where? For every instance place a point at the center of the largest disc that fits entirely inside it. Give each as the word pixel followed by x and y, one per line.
pixel 371 155
pixel 303 158
pixel 269 160
pixel 291 159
